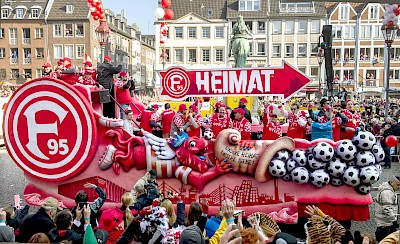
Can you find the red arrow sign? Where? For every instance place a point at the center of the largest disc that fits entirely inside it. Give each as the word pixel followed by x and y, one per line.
pixel 178 83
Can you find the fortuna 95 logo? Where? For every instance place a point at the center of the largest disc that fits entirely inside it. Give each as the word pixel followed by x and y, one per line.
pixel 49 130
pixel 176 83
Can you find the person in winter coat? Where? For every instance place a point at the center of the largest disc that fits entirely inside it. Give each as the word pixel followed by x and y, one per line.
pixel 122 94
pixel 386 131
pixel 105 72
pixel 386 208
pixel 15 216
pixel 6 232
pixel 166 120
pixel 63 231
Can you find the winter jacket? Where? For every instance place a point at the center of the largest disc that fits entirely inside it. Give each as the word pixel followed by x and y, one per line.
pixel 212 226
pixel 142 201
pixel 122 94
pixel 6 233
pixel 105 72
pixel 180 216
pixel 70 76
pixel 385 205
pixel 17 220
pixel 70 235
pixel 35 223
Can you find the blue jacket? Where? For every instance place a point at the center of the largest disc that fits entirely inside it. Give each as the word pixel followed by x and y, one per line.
pixel 212 226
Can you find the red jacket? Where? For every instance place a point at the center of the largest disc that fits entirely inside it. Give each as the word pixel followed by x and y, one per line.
pixel 69 76
pixel 219 123
pixel 166 120
pixel 296 129
pixel 145 120
pixel 243 126
pixel 122 94
pixel 350 124
pixel 272 131
pixel 193 131
pixel 336 124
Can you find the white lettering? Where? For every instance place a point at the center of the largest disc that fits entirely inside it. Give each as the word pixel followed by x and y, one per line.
pixel 267 76
pixel 205 82
pixel 255 82
pixel 216 80
pixel 225 79
pixel 237 85
pixel 175 80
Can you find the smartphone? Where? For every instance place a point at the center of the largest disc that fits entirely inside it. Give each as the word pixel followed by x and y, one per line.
pixel 81 204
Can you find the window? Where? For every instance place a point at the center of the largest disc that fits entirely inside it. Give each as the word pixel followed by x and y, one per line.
pixel 349 32
pixel 68 30
pixel 205 55
pixel 315 26
pixel 192 57
pixel 289 27
pixel 205 32
pixel 5 13
pixel 2 53
pixel 277 27
pixel 314 71
pixel 314 49
pixel 178 32
pixel 261 27
pixel 19 13
pixel 365 32
pixel 294 7
pixel 69 8
pixel 302 69
pixel 378 54
pixel 3 74
pixel 179 55
pixel 35 13
pixel 13 36
pixel 336 54
pixel 80 51
pixel 344 12
pixel 302 50
pixel 38 33
pixel 79 31
pixel 249 5
pixel 348 78
pixel 348 54
pixel 219 55
pixel 276 51
pixel 219 32
pixel 57 30
pixel 1 33
pixel 14 74
pixel 39 53
pixel 337 32
pixel 289 50
pixel 365 54
pixel 377 32
pixel 117 42
pixel 260 48
pixel 192 32
pixel 58 51
pixel 39 73
pixel 373 11
pixel 303 26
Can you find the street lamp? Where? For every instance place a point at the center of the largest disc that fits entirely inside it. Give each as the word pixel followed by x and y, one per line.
pixel 102 33
pixel 389 33
pixel 321 57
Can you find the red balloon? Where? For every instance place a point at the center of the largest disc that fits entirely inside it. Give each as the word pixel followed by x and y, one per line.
pixel 96 17
pixel 396 12
pixel 390 23
pixel 90 1
pixel 169 14
pixel 93 13
pixel 101 16
pixel 391 141
pixel 166 3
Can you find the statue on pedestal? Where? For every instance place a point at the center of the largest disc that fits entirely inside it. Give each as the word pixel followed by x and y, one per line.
pixel 239 45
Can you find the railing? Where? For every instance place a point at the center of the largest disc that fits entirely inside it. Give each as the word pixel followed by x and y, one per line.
pixel 13 60
pixel 296 8
pixel 27 60
pixel 373 83
pixel 26 41
pixel 13 41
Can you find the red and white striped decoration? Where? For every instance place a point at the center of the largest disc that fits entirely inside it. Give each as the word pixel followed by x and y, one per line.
pixel 182 173
pixel 164 168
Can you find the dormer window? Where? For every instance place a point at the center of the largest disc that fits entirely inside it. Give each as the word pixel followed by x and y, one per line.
pixel 20 12
pixel 5 12
pixel 249 5
pixel 35 13
pixel 69 8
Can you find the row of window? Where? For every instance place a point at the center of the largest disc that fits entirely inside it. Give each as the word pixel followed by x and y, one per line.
pixel 26 35
pixel 26 53
pixel 302 26
pixel 71 51
pixel 205 32
pixel 69 30
pixel 373 11
pixel 348 32
pixel 20 12
pixel 192 55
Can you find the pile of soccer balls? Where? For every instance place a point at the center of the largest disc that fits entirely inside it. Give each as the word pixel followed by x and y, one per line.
pixel 355 163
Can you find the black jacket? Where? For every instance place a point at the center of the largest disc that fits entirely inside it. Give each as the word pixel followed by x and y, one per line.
pixel 386 133
pixel 105 72
pixel 247 114
pixel 35 223
pixel 142 201
pixel 19 216
pixel 70 235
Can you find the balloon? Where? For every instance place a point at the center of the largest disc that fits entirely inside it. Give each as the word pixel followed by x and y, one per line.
pixel 101 16
pixel 95 17
pixel 391 141
pixel 169 14
pixel 159 13
pixel 92 9
pixel 166 3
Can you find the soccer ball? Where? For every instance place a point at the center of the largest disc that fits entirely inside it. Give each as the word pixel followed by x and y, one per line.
pixel 379 168
pixel 378 153
pixel 319 178
pixel 323 151
pixel 287 177
pixel 277 168
pixel 364 140
pixel 314 164
pixel 283 155
pixel 309 150
pixel 208 135
pixel 291 164
pixel 300 175
pixel 363 189
pixel 346 150
pixel 300 157
pixel 365 158
pixel 351 163
pixel 336 168
pixel 351 176
pixel 336 181
pixel 369 174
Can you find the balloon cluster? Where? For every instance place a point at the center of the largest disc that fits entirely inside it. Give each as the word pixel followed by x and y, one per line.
pixel 96 9
pixel 164 11
pixel 391 15
pixel 163 32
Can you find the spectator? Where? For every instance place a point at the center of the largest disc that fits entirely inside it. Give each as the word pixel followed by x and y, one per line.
pixel 385 132
pixel 6 232
pixel 194 213
pixel 126 208
pixel 111 221
pixel 63 221
pixel 151 186
pixel 174 220
pixel 142 199
pixel 39 238
pixel 40 222
pixel 15 216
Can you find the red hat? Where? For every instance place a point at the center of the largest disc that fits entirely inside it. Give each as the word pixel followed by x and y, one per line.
pixel 243 100
pixel 110 219
pixel 122 74
pixel 194 108
pixel 60 62
pixel 273 116
pixel 107 58
pixel 218 104
pixel 182 107
pixel 88 63
pixel 239 110
pixel 154 105
pixel 66 59
pixel 127 110
pixel 197 102
pixel 46 65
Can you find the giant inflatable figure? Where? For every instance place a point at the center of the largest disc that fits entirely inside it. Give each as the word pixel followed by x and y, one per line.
pixel 61 141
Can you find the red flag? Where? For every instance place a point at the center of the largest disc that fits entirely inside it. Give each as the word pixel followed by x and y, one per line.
pixel 87 59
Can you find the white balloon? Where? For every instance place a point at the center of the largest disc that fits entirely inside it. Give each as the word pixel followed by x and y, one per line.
pixel 92 9
pixel 159 13
pixel 395 6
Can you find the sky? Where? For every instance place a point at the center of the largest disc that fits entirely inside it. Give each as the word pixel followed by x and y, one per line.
pixel 140 12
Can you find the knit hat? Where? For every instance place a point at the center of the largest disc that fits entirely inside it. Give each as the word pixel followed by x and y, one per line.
pixel 191 235
pixel 46 65
pixel 122 74
pixel 107 58
pixel 194 108
pixel 155 106
pixel 88 63
pixel 110 219
pixel 218 104
pixel 60 62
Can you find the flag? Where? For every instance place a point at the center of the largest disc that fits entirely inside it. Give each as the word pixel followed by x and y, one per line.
pixel 87 59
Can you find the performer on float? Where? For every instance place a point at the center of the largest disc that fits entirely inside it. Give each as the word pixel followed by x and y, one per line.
pixel 241 124
pixel 48 72
pixel 129 125
pixel 272 127
pixel 179 122
pixel 87 65
pixel 196 120
pixel 354 120
pixel 59 69
pixel 325 114
pixel 220 121
pixel 242 105
pixel 336 126
pixel 145 118
pixel 122 94
pixel 297 121
pixel 69 74
pixel 166 120
pixel 87 78
pixel 155 121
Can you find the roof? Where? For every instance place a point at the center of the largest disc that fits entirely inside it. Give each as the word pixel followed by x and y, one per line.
pixel 27 5
pixel 233 10
pixel 207 9
pixel 58 10
pixel 330 6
